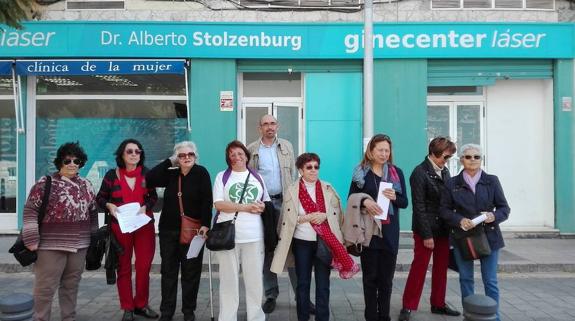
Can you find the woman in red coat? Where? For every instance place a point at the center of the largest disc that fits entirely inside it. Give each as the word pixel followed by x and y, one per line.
pixel 123 185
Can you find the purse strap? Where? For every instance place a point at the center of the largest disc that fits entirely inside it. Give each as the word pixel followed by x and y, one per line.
pixel 242 196
pixel 45 200
pixel 180 195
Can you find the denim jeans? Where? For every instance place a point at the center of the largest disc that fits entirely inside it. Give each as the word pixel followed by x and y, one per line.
pixel 488 275
pixel 306 259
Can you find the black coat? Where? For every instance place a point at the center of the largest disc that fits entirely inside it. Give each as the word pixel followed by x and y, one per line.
pixel 426 189
pixel 458 201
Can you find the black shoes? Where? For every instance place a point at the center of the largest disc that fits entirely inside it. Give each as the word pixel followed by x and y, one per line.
pixel 146 312
pixel 445 310
pixel 128 315
pixel 269 306
pixel 165 318
pixel 191 317
pixel 404 315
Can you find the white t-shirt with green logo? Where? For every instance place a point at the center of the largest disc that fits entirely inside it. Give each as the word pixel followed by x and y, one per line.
pixel 249 227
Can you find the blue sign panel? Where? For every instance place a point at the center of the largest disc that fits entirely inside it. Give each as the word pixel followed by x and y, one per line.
pixel 98 67
pixel 287 41
pixel 5 67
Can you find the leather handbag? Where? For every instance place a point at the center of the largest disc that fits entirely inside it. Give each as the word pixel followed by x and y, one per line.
pixel 21 253
pixel 189 226
pixel 222 236
pixel 472 244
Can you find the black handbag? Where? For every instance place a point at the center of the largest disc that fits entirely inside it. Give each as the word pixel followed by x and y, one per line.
pixel 97 248
pixel 472 244
pixel 222 236
pixel 22 254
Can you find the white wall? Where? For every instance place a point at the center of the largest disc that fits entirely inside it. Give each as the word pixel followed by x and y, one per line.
pixel 519 134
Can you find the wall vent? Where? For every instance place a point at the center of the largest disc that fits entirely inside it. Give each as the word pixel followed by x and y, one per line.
pixel 95 4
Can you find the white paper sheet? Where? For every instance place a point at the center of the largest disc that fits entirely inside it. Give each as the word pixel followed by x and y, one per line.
pixel 479 219
pixel 129 219
pixel 195 247
pixel 383 201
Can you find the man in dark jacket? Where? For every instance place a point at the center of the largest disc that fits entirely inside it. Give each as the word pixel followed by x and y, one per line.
pixel 430 234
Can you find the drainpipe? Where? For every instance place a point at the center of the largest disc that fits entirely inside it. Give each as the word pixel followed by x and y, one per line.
pixel 368 73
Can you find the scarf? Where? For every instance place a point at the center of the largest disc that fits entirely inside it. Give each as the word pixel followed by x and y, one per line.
pixel 341 260
pixel 137 194
pixel 389 175
pixel 472 181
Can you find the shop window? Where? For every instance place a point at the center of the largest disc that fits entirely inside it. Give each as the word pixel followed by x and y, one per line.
pixel 494 4
pixel 100 111
pixel 7 147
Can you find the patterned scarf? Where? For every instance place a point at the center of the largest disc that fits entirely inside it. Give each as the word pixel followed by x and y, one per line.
pixel 389 175
pixel 341 260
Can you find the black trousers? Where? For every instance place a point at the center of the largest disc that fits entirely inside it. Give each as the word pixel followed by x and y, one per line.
pixel 173 258
pixel 378 267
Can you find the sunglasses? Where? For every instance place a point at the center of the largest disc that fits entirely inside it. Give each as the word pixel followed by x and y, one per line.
pixel 469 157
pixel 310 167
pixel 184 155
pixel 76 161
pixel 133 151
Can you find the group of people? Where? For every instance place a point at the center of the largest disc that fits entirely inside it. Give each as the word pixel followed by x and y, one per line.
pixel 313 234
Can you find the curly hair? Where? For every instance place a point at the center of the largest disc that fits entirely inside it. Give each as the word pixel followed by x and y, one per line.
pixel 306 158
pixel 120 152
pixel 70 149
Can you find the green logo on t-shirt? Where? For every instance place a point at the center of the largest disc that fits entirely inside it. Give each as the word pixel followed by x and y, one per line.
pixel 250 195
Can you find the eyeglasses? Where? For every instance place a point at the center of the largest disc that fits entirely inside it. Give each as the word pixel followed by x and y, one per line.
pixel 133 151
pixel 446 157
pixel 469 157
pixel 184 155
pixel 76 161
pixel 310 167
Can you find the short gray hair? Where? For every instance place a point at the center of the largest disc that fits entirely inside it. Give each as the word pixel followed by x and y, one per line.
pixel 188 144
pixel 467 147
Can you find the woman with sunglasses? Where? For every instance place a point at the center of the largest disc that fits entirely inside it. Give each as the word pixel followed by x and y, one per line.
pixel 181 174
pixel 470 194
pixel 122 185
pixel 71 215
pixel 379 257
pixel 311 236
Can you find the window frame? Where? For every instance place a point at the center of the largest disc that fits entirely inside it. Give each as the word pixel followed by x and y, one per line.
pixel 523 7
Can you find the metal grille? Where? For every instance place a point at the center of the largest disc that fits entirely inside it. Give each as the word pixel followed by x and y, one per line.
pixel 300 3
pixel 94 4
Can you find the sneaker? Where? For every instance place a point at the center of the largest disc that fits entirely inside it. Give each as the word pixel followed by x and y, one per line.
pixel 404 315
pixel 128 315
pixel 146 312
pixel 269 306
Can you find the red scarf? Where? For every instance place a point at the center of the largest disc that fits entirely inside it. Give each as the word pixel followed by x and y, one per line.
pixel 341 260
pixel 137 194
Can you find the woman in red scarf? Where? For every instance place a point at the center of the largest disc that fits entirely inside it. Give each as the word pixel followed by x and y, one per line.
pixel 310 229
pixel 123 185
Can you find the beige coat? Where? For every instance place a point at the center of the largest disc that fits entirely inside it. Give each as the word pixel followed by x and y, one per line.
pixel 359 226
pixel 288 221
pixel 286 160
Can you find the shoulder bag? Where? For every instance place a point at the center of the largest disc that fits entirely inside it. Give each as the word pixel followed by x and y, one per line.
pixel 189 226
pixel 222 236
pixel 472 244
pixel 22 254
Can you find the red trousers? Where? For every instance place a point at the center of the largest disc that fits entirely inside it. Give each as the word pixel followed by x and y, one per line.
pixel 142 242
pixel 416 278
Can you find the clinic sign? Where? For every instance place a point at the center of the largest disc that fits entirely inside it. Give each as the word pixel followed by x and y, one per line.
pixel 287 41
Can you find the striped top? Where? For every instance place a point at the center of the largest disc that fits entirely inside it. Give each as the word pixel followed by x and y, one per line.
pixel 71 215
pixel 111 192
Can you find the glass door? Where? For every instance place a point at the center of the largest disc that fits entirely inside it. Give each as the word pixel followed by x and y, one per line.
pixel 462 121
pixel 8 132
pixel 287 113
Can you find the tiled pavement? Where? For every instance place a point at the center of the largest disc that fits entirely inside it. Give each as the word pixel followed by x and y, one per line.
pixel 524 297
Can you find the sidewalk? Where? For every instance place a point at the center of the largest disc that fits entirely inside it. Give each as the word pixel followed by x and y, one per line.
pixel 519 256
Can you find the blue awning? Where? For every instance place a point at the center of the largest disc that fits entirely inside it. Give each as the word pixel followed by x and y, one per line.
pixel 98 67
pixel 5 67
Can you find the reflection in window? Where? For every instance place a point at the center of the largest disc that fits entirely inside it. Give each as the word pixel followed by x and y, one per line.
pixel 7 147
pixel 100 125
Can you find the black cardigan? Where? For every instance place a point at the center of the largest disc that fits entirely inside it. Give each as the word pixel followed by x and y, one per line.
pixel 196 194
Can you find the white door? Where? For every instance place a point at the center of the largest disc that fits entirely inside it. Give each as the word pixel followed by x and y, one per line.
pixel 288 113
pixel 463 121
